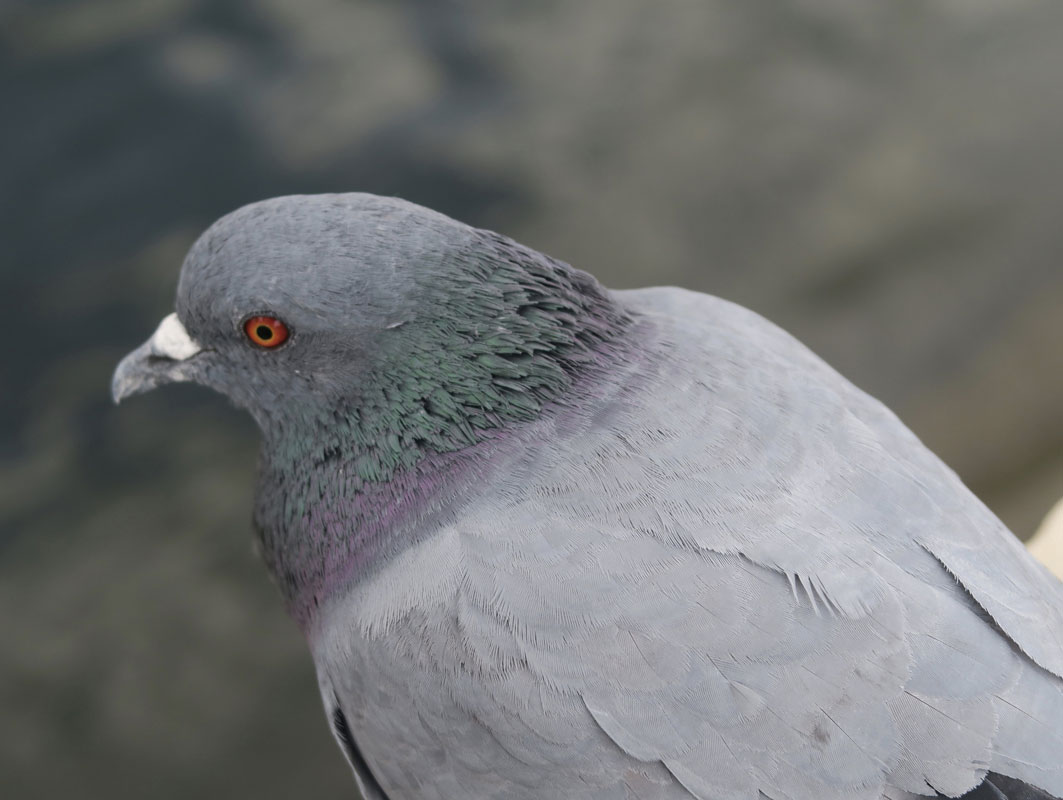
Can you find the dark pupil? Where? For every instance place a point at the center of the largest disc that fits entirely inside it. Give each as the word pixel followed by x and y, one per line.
pixel 264 332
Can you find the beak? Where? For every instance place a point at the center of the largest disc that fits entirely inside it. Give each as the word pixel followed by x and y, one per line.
pixel 164 358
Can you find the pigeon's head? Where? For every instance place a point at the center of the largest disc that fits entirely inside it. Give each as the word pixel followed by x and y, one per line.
pixel 285 301
pixel 386 351
pixel 301 308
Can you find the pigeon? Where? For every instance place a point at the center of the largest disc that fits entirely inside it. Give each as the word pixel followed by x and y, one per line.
pixel 551 540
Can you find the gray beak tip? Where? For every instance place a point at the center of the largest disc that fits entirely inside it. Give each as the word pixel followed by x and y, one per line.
pixel 120 385
pixel 136 373
pixel 161 359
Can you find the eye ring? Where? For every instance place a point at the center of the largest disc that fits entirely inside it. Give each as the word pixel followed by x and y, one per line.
pixel 265 331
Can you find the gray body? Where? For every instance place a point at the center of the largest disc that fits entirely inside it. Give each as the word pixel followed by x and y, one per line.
pixel 731 575
pixel 752 594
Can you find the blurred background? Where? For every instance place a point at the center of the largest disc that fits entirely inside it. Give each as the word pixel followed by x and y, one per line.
pixel 883 179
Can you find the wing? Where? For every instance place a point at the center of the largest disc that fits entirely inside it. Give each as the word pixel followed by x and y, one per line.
pixel 363 776
pixel 749 572
pixel 833 429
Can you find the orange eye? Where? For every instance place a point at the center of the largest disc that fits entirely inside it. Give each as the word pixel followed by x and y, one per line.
pixel 266 331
